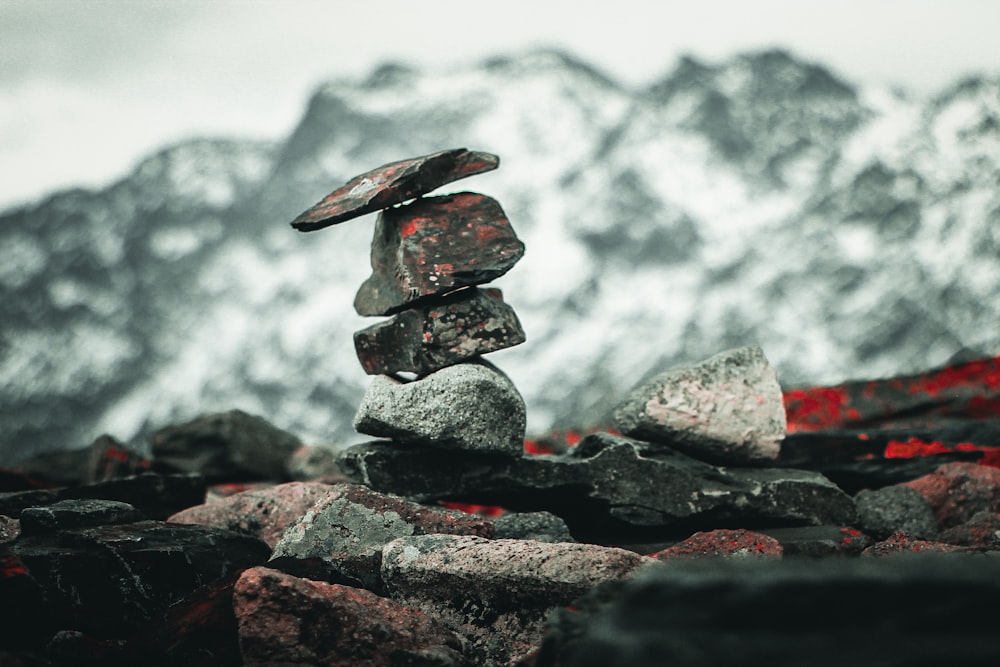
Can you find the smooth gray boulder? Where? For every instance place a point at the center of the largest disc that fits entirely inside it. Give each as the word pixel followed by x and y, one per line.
pixel 726 410
pixel 471 406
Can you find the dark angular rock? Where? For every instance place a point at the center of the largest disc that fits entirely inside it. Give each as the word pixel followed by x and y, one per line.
pixel 820 541
pixel 982 531
pixel 285 620
pixel 227 446
pixel 110 459
pixel 895 509
pixel 726 410
pixel 393 183
pixel 108 581
pixel 606 486
pixel 471 406
pixel 424 339
pixel 786 613
pixel 157 496
pixel 264 513
pixel 957 491
pixel 315 463
pixel 77 514
pixel 725 543
pixel 433 246
pixel 537 526
pixel 347 529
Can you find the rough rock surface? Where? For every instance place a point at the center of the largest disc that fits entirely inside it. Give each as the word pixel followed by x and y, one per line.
pixel 424 339
pixel 981 531
pixel 393 183
pixel 786 613
pixel 895 509
pixel 957 491
pixel 229 445
pixel 285 620
pixel 901 543
pixel 471 406
pixel 606 484
pixel 820 541
pixel 79 513
pixel 433 246
pixel 346 530
pixel 264 514
pixel 10 528
pixel 108 581
pixel 315 463
pixel 726 543
pixel 726 410
pixel 537 526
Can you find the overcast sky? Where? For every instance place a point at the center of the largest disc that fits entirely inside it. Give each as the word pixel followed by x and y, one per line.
pixel 88 87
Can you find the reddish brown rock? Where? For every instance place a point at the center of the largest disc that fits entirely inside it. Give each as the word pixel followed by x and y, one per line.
pixel 957 491
pixel 285 620
pixel 392 184
pixel 421 340
pixel 436 245
pixel 738 543
pixel 264 514
pixel 901 543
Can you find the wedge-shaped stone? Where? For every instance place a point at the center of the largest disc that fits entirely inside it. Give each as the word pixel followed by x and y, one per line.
pixel 469 406
pixel 607 486
pixel 433 246
pixel 421 340
pixel 392 184
pixel 726 410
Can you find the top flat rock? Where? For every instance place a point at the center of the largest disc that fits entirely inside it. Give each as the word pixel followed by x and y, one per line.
pixel 392 184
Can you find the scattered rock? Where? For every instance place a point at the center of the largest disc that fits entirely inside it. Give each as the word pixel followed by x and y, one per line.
pixel 982 531
pixel 606 487
pixel 902 543
pixel 421 340
pixel 264 514
pixel 727 543
pixel 392 184
pixel 10 528
pixel 470 406
pixel 77 514
pixel 958 491
pixel 820 541
pixel 433 246
pixel 285 620
pixel 895 509
pixel 725 410
pixel 536 526
pixel 110 459
pixel 227 446
pixel 315 463
pixel 347 529
pixel 785 613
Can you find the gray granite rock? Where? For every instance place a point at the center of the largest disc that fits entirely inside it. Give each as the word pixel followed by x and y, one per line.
pixel 470 406
pixel 895 509
pixel 726 410
pixel 537 526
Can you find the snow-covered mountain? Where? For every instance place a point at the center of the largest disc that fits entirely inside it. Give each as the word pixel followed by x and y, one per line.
pixel 851 233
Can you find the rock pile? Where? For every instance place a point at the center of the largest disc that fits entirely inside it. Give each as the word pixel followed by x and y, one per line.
pixel 428 258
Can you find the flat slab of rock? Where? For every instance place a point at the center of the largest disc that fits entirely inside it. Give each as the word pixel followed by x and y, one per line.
pixel 606 486
pixel 392 184
pixel 347 529
pixel 264 514
pixel 726 410
pixel 723 543
pixel 285 620
pixel 436 245
pixel 231 446
pixel 470 406
pixel 426 338
pixel 79 513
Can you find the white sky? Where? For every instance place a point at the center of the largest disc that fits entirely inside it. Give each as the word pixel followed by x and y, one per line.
pixel 88 87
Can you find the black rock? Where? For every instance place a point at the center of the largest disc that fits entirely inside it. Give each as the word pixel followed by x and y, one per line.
pixel 433 246
pixel 79 513
pixel 393 183
pixel 421 340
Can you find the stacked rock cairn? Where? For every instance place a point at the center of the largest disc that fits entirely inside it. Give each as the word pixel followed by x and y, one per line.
pixel 428 257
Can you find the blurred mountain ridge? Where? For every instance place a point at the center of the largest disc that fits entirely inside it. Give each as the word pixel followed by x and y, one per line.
pixel 850 232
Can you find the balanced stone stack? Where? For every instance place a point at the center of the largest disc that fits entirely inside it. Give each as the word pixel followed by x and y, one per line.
pixel 428 258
